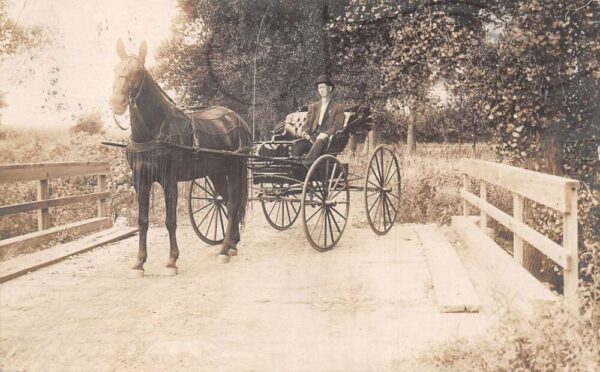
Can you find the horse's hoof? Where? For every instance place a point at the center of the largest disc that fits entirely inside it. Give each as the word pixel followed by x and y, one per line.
pixel 135 273
pixel 233 252
pixel 171 271
pixel 223 258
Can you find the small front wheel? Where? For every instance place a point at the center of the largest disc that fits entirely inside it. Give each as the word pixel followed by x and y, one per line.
pixel 382 190
pixel 280 205
pixel 325 202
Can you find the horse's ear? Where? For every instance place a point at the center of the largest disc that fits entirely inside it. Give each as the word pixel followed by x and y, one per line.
pixel 143 51
pixel 121 49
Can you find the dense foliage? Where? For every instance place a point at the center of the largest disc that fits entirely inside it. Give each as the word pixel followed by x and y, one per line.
pixel 211 58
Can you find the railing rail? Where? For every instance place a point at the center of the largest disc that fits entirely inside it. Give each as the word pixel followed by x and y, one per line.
pixel 554 192
pixel 43 173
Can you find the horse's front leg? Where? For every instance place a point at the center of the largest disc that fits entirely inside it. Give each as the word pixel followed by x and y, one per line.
pixel 143 195
pixel 170 188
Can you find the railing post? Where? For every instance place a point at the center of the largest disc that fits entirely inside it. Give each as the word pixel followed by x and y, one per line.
pixel 482 214
pixel 43 216
pixel 518 215
pixel 101 204
pixel 570 240
pixel 465 187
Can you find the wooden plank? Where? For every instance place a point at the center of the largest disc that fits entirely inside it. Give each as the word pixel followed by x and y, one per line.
pixel 554 251
pixel 30 262
pixel 570 244
pixel 38 171
pixel 483 222
pixel 39 237
pixel 518 204
pixel 101 203
pixel 506 272
pixel 453 289
pixel 43 215
pixel 50 203
pixel 543 188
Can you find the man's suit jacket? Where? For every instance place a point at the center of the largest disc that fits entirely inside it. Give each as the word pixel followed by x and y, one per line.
pixel 332 121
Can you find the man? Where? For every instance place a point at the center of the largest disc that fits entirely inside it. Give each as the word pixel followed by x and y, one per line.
pixel 323 120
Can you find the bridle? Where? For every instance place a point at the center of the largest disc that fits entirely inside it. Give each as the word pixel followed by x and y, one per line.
pixel 132 97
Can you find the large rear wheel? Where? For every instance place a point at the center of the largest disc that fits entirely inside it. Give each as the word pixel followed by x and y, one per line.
pixel 382 190
pixel 207 211
pixel 325 202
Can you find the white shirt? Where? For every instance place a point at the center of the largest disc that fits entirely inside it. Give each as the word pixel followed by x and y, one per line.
pixel 324 104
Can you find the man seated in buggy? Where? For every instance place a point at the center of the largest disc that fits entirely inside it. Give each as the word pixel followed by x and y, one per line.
pixel 324 119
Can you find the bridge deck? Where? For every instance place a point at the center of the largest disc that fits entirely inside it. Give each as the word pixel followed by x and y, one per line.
pixel 279 305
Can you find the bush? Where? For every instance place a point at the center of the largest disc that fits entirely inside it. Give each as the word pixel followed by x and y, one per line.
pixel 90 123
pixel 552 340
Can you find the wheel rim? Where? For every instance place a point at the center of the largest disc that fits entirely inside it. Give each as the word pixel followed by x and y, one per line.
pixel 207 211
pixel 382 190
pixel 281 214
pixel 325 203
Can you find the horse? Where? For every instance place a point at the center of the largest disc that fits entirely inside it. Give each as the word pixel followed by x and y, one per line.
pixel 156 123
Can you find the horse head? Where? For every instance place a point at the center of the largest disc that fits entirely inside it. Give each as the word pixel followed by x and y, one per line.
pixel 130 75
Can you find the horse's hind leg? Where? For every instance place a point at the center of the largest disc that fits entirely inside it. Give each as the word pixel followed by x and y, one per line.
pixel 222 187
pixel 170 189
pixel 142 188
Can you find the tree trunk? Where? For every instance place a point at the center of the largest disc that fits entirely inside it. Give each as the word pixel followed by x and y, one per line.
pixel 325 40
pixel 411 144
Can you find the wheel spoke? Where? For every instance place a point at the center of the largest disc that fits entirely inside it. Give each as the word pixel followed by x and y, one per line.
pixel 395 196
pixel 287 209
pixel 210 222
pixel 201 208
pixel 273 207
pixel 338 213
pixel 224 211
pixel 374 184
pixel 318 224
pixel 391 176
pixel 391 204
pixel 199 198
pixel 206 215
pixel 335 222
pixel 374 203
pixel 310 218
pixel 325 219
pixel 330 183
pixel 374 172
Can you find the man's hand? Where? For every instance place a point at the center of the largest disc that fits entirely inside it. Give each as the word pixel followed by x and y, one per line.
pixel 306 136
pixel 322 136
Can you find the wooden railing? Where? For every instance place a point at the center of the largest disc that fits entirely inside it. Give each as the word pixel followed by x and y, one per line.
pixel 43 172
pixel 555 192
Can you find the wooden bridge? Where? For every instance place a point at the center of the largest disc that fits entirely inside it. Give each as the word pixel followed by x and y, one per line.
pixel 372 303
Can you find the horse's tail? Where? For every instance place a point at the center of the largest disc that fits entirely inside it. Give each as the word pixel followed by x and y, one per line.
pixel 243 173
pixel 245 143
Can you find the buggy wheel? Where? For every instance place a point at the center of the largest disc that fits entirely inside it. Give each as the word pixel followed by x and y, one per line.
pixel 325 203
pixel 279 210
pixel 382 190
pixel 207 211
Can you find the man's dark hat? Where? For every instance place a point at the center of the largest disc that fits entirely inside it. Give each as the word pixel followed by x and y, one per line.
pixel 324 79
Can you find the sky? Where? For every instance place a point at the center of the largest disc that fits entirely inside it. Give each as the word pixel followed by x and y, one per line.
pixel 79 67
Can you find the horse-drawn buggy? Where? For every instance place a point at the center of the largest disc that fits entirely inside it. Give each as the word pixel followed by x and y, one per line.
pixel 212 148
pixel 318 193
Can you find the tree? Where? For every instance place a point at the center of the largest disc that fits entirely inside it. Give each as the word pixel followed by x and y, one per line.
pixel 15 39
pixel 412 43
pixel 210 60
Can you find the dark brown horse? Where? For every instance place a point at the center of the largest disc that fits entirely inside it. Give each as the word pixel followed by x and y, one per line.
pixel 155 121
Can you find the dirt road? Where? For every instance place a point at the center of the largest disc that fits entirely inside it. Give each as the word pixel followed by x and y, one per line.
pixel 367 305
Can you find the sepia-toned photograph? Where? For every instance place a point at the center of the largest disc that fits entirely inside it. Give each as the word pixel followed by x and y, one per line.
pixel 299 185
